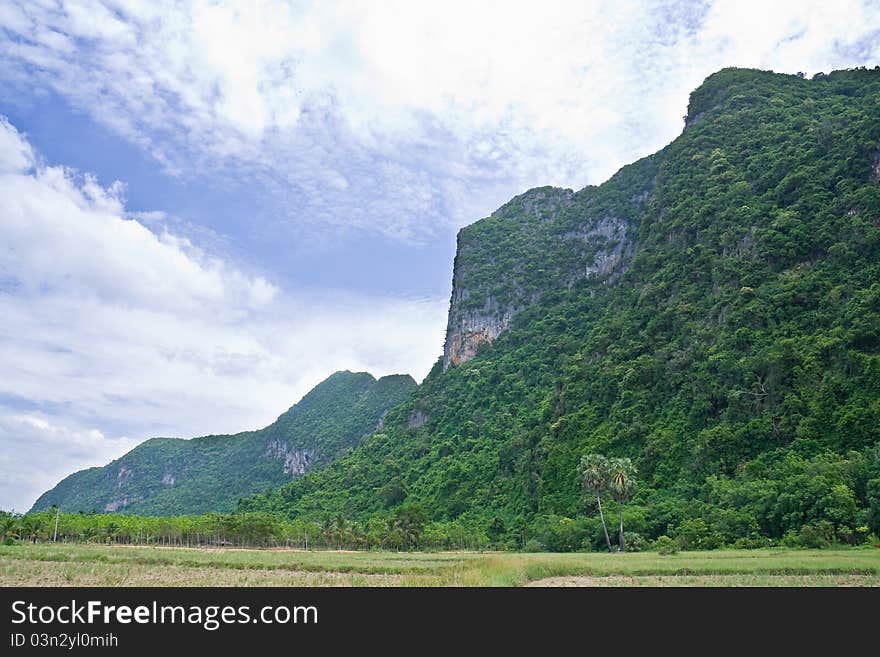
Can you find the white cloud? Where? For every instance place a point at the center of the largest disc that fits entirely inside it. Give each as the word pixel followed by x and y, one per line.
pixel 16 155
pixel 53 225
pixel 473 100
pixel 37 452
pixel 110 329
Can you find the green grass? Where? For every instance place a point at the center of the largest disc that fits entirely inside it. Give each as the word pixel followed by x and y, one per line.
pixel 98 565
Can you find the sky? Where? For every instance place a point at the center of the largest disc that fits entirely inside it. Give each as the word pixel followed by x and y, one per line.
pixel 207 208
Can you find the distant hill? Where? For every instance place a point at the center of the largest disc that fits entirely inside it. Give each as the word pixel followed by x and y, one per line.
pixel 165 476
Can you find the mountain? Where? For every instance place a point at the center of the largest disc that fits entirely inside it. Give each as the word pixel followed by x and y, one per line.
pixel 711 311
pixel 165 476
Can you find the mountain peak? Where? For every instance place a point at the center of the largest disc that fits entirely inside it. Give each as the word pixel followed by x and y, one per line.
pixel 210 473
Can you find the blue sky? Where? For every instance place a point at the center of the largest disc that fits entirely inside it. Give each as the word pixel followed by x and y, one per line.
pixel 206 208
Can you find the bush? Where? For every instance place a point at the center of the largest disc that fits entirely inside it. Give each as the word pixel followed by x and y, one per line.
pixel 817 535
pixel 635 542
pixel 561 534
pixel 791 539
pixel 752 543
pixel 665 545
pixel 694 534
pixel 534 545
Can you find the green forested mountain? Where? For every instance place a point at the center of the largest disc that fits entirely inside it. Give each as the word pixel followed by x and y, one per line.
pixel 174 476
pixel 712 311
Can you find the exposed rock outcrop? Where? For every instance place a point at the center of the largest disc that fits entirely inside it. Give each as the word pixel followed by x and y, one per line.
pixel 116 505
pixel 417 419
pixel 472 329
pixel 614 248
pixel 123 475
pixel 295 460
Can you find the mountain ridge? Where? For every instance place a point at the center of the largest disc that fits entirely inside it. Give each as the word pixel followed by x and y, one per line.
pixel 209 473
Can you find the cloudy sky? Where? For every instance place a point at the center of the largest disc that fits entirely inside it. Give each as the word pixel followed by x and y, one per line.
pixel 206 208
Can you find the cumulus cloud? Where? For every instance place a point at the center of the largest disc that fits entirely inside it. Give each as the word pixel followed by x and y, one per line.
pixel 54 224
pixel 113 332
pixel 428 115
pixel 38 452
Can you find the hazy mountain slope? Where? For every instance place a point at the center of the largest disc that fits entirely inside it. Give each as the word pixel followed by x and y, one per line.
pixel 712 311
pixel 174 476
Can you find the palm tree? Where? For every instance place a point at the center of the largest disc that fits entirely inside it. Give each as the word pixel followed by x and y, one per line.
pixel 32 528
pixel 328 531
pixel 8 528
pixel 410 520
pixel 622 484
pixel 595 473
pixel 342 531
pixel 111 531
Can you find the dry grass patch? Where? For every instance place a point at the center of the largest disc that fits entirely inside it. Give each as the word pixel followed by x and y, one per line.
pixel 709 580
pixel 105 565
pixel 53 573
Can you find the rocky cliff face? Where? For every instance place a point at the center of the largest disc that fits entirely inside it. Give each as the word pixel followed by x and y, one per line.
pixel 541 240
pixel 295 460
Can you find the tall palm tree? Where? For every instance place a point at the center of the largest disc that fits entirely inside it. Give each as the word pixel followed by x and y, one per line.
pixel 622 483
pixel 595 473
pixel 8 528
pixel 32 528
pixel 328 530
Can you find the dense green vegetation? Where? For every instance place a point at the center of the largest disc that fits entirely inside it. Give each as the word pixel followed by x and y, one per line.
pixel 407 529
pixel 736 361
pixel 173 476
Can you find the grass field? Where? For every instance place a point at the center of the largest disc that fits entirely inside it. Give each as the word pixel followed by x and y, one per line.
pixel 99 565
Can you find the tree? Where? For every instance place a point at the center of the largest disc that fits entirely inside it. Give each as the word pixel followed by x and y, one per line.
pixel 32 528
pixel 8 528
pixel 410 519
pixel 393 492
pixel 594 469
pixel 621 482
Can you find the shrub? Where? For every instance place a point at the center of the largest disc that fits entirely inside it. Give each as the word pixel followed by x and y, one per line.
pixel 534 545
pixel 635 542
pixel 694 534
pixel 817 535
pixel 665 545
pixel 561 534
pixel 752 543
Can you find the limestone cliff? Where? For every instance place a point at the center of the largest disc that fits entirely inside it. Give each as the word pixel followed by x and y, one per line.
pixel 544 239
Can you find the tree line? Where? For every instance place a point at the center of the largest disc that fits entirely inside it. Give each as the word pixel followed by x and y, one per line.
pixel 406 529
